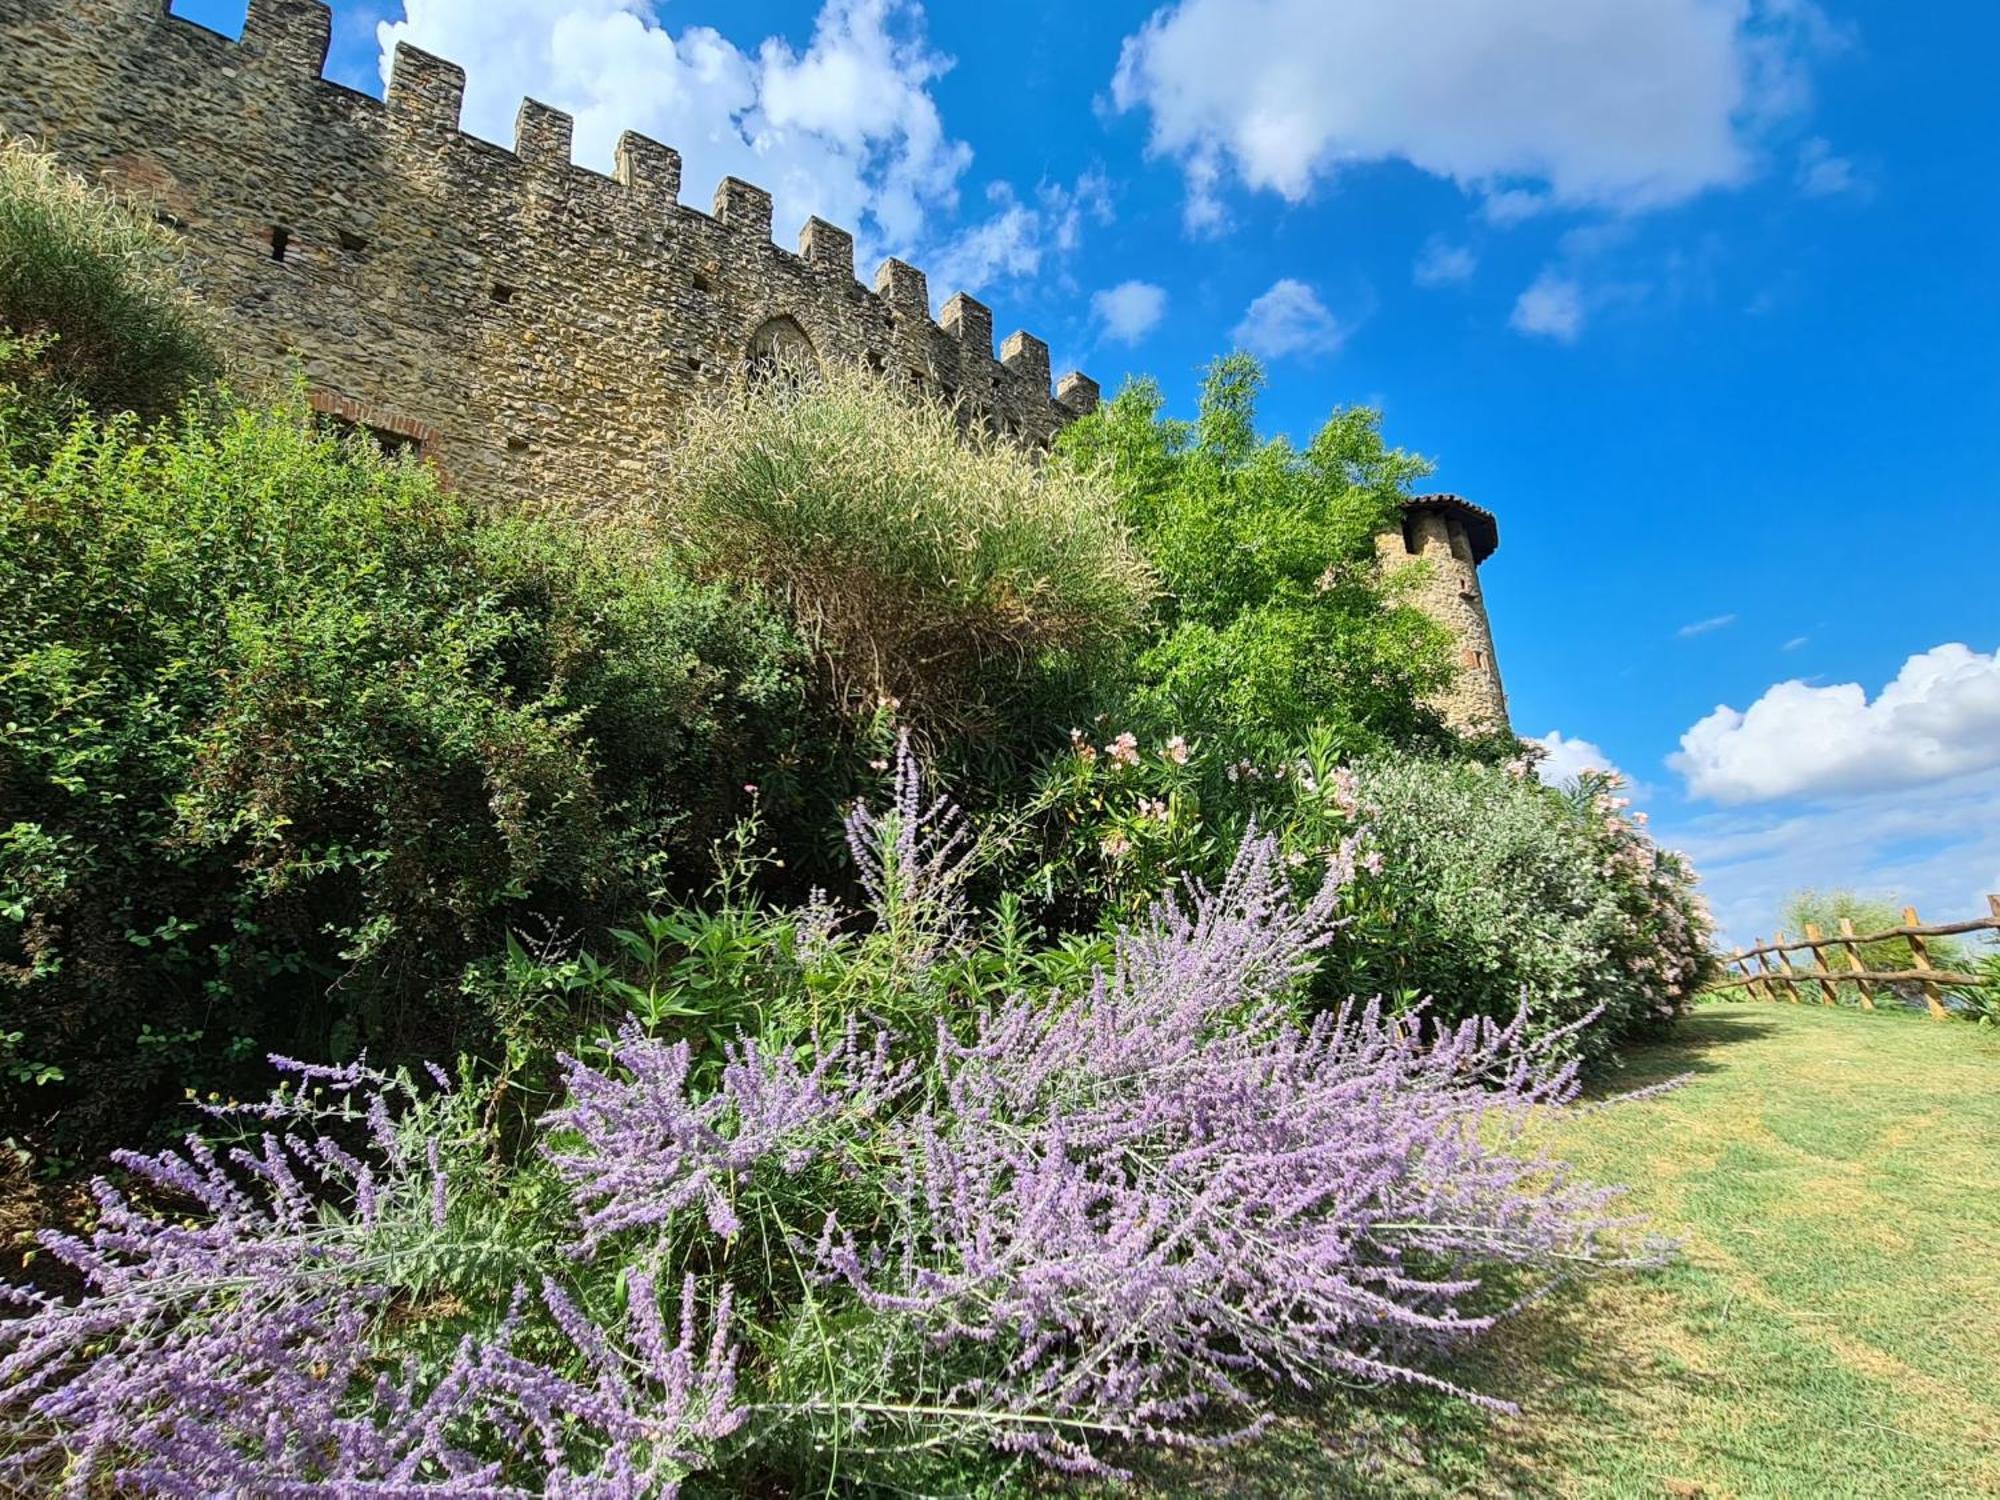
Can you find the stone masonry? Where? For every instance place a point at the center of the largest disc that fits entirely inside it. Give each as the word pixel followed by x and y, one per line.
pixel 1453 537
pixel 531 326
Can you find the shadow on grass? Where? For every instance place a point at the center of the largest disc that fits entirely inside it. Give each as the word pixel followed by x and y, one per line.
pixel 1566 1365
pixel 1691 1047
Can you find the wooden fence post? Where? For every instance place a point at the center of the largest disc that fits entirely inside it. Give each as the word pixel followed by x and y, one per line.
pixel 1826 993
pixel 1766 969
pixel 1759 989
pixel 1854 962
pixel 1920 958
pixel 1785 963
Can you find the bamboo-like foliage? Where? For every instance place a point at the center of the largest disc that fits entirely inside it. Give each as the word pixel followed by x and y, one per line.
pixel 923 553
pixel 94 289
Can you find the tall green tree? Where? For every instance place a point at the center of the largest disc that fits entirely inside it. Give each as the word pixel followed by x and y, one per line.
pixel 1276 616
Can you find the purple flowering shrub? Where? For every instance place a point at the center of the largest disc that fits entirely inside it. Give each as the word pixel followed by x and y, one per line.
pixel 1039 1223
pixel 242 1309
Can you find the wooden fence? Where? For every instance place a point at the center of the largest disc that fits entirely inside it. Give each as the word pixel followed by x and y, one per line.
pixel 1768 977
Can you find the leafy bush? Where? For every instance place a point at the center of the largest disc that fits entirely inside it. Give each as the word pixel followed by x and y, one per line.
pixel 91 292
pixel 1826 909
pixel 1479 889
pixel 1494 891
pixel 1276 618
pixel 292 733
pixel 1055 1222
pixel 927 563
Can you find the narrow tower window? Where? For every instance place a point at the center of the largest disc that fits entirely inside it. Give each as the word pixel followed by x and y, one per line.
pixel 281 238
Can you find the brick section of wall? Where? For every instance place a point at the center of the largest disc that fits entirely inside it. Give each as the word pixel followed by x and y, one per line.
pixel 535 325
pixel 1435 532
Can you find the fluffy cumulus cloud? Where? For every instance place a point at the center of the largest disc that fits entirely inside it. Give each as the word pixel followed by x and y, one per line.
pixel 1129 311
pixel 1287 320
pixel 1565 759
pixel 1017 238
pixel 1552 308
pixel 1619 104
pixel 846 128
pixel 1939 719
pixel 1934 847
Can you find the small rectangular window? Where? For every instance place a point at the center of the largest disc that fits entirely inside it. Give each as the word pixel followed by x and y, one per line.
pixel 502 294
pixel 281 239
pixel 351 242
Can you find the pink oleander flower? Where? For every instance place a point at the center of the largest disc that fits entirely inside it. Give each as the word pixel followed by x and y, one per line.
pixel 1124 750
pixel 1116 845
pixel 1176 749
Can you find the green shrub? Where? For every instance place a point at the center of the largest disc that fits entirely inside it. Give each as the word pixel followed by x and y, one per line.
pixel 928 564
pixel 1478 888
pixel 1494 890
pixel 1826 909
pixel 1276 618
pixel 292 733
pixel 91 294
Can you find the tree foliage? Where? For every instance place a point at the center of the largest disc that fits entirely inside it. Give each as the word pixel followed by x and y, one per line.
pixel 1276 617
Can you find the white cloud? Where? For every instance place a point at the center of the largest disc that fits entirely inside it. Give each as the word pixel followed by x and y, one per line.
pixel 1444 264
pixel 1705 627
pixel 1822 174
pixel 1938 719
pixel 1934 847
pixel 1129 311
pixel 847 129
pixel 1551 308
pixel 1566 759
pixel 1289 319
pixel 1620 104
pixel 1795 642
pixel 1510 206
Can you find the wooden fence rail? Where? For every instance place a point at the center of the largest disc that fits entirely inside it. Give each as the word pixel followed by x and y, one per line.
pixel 1767 978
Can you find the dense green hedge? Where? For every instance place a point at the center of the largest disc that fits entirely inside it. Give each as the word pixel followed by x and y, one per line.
pixel 291 733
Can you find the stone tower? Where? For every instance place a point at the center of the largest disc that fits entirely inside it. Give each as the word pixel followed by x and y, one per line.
pixel 1454 537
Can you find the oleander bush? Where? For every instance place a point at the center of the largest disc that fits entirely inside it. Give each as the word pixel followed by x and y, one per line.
pixel 93 309
pixel 293 733
pixel 1033 1224
pixel 1480 890
pixel 929 562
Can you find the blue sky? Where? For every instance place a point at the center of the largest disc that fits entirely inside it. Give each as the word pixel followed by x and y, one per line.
pixel 1698 295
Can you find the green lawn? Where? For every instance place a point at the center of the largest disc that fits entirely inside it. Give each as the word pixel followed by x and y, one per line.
pixel 1831 1327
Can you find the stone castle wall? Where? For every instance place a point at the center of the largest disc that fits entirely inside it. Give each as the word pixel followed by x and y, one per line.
pixel 532 325
pixel 1452 538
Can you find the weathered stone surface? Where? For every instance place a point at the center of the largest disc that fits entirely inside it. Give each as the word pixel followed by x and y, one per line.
pixel 1454 537
pixel 533 327
pixel 537 325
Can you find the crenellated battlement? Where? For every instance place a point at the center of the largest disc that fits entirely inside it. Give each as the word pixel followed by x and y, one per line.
pixel 544 321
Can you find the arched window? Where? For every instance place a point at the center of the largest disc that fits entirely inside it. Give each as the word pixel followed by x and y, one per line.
pixel 780 347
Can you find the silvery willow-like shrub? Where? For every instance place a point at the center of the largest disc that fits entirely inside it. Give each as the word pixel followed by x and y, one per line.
pixel 92 294
pixel 1045 1224
pixel 1477 890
